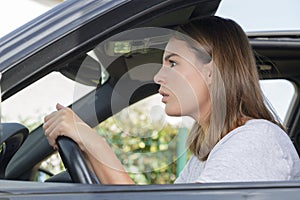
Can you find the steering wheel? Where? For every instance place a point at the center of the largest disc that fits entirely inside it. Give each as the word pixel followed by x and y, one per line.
pixel 12 136
pixel 74 161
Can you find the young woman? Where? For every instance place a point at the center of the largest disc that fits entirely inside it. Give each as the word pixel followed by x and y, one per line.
pixel 209 74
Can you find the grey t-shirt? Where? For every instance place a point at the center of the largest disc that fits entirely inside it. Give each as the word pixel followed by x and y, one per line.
pixel 256 151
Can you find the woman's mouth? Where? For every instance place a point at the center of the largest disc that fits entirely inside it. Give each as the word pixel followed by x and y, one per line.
pixel 164 95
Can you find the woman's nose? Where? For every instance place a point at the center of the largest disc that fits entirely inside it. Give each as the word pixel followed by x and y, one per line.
pixel 159 77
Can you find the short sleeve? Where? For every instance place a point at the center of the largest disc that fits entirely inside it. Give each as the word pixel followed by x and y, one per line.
pixel 247 154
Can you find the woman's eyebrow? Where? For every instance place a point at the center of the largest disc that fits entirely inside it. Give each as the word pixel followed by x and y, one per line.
pixel 167 57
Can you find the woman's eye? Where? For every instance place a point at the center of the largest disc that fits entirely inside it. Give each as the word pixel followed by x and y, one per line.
pixel 172 63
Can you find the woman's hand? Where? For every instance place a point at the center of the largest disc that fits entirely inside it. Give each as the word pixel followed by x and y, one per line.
pixel 64 122
pixel 106 165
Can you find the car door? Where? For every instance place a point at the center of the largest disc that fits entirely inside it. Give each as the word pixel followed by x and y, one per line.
pixel 71 34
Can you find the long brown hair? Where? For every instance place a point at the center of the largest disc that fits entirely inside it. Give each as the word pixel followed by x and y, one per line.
pixel 235 92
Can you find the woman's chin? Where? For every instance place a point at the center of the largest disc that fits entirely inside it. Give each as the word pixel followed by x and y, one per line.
pixel 172 112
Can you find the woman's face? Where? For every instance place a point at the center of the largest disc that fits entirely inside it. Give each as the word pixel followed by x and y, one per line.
pixel 184 81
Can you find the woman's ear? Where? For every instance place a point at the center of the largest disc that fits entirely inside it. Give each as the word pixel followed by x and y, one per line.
pixel 209 72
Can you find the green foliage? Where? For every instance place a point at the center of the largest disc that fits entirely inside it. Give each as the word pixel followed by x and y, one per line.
pixel 145 145
pixel 147 151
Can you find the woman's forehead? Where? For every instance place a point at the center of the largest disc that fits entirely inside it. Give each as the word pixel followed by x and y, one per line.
pixel 175 45
pixel 178 47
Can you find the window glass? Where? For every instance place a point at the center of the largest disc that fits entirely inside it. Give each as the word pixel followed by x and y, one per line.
pixel 30 105
pixel 280 94
pixel 33 103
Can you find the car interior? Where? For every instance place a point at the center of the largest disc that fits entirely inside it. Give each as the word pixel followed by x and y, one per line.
pixel 120 71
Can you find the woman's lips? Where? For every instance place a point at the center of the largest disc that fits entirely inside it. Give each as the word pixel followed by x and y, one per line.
pixel 164 95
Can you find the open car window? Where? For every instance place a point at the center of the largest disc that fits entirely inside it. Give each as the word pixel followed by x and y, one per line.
pixel 150 145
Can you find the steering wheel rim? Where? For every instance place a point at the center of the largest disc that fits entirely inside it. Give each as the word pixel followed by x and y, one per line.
pixel 12 136
pixel 74 161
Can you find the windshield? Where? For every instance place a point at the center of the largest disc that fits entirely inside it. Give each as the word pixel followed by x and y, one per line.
pixel 266 15
pixel 30 105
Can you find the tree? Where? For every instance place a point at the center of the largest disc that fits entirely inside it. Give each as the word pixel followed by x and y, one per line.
pixel 146 149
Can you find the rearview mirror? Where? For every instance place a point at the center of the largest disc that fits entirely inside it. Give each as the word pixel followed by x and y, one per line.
pixel 85 70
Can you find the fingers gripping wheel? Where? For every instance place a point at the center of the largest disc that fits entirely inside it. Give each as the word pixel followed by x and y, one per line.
pixel 74 161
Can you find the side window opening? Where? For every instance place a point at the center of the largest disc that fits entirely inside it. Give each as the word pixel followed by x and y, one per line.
pixel 281 94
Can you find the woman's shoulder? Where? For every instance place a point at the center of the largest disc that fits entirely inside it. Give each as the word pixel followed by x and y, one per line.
pixel 259 136
pixel 262 123
pixel 258 126
pixel 264 128
pixel 259 130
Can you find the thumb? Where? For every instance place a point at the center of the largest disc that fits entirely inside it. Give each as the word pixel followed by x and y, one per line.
pixel 59 106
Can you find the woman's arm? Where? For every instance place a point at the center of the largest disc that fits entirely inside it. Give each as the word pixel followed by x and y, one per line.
pixel 105 164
